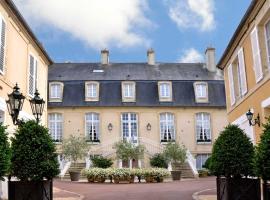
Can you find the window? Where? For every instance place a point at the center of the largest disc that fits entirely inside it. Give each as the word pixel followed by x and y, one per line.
pixel 257 63
pixel 130 127
pixel 200 160
pixel 56 91
pixel 128 91
pixel 92 127
pixel 56 126
pixel 267 36
pixel 167 130
pixel 203 128
pixel 2 44
pixel 91 91
pixel 2 116
pixel 32 75
pixel 165 91
pixel 201 92
pixel 231 84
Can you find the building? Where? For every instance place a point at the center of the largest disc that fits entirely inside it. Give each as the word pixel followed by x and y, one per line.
pixel 23 60
pixel 147 103
pixel 246 66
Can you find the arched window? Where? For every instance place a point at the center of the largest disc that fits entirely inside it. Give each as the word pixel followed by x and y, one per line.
pixel 203 127
pixel 92 127
pixel 56 126
pixel 167 127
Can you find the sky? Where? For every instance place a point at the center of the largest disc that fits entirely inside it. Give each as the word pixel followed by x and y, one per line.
pixel 178 30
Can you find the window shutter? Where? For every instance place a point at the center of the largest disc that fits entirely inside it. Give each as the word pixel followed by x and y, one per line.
pixel 3 44
pixel 31 75
pixel 231 84
pixel 257 65
pixel 242 72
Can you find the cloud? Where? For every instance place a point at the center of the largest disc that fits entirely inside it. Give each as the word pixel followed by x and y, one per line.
pixel 191 56
pixel 198 14
pixel 99 23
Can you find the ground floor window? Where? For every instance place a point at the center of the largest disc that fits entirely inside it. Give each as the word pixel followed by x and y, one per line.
pixel 200 160
pixel 56 126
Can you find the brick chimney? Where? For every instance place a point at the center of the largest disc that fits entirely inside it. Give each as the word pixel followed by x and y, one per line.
pixel 210 55
pixel 105 57
pixel 151 57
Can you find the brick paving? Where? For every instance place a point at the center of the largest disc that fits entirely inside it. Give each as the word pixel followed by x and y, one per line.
pixel 179 190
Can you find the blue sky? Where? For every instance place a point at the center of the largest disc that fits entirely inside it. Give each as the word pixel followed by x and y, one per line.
pixel 178 30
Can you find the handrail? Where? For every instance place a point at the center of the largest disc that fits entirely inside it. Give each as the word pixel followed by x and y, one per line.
pixel 192 163
pixel 65 169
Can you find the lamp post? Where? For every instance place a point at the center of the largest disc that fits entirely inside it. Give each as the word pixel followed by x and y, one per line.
pixel 15 103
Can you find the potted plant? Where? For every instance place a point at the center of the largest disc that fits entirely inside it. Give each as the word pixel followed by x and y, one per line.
pixel 262 159
pixel 176 154
pixel 232 163
pixel 33 162
pixel 4 153
pixel 74 149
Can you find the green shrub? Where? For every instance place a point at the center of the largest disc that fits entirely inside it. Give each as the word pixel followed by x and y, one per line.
pixel 33 153
pixel 101 162
pixel 175 153
pixel 262 158
pixel 158 160
pixel 232 154
pixel 4 152
pixel 207 163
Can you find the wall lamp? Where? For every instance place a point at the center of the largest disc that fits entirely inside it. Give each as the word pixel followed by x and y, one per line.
pixel 110 126
pixel 253 122
pixel 148 127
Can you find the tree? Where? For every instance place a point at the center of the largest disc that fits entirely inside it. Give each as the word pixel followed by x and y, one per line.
pixel 232 154
pixel 175 153
pixel 158 160
pixel 4 152
pixel 33 153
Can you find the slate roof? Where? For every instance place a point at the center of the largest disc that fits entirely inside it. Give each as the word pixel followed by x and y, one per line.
pixel 146 77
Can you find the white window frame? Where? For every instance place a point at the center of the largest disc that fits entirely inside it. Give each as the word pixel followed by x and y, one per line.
pixel 57 132
pixel 2 71
pixel 266 43
pixel 231 85
pixel 200 95
pixel 129 135
pixel 201 160
pixel 59 97
pixel 92 122
pixel 91 91
pixel 165 91
pixel 167 126
pixel 34 76
pixel 128 91
pixel 202 125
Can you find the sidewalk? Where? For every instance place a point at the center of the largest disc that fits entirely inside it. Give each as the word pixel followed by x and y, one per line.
pixel 207 197
pixel 65 195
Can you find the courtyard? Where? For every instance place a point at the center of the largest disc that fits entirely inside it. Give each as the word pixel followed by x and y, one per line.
pixel 184 190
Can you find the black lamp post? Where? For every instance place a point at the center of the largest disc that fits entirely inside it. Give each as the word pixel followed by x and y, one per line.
pixel 252 122
pixel 37 106
pixel 15 103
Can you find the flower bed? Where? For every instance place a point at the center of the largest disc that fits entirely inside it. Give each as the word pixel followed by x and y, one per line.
pixel 125 175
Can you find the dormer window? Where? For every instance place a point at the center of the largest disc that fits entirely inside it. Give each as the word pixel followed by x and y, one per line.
pixel 165 91
pixel 201 92
pixel 56 91
pixel 128 91
pixel 92 91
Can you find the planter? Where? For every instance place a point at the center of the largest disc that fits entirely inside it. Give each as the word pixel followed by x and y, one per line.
pixel 100 180
pixel 123 179
pixel 91 179
pixel 176 175
pixel 131 179
pixel 266 190
pixel 149 179
pixel 74 176
pixel 159 179
pixel 238 189
pixel 20 190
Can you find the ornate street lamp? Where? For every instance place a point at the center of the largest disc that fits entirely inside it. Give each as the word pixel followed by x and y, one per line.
pixel 249 115
pixel 15 103
pixel 37 106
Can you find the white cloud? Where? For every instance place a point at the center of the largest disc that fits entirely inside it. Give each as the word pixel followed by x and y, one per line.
pixel 192 13
pixel 191 56
pixel 100 23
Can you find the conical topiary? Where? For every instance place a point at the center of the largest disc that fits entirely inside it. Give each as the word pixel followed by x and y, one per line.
pixel 4 152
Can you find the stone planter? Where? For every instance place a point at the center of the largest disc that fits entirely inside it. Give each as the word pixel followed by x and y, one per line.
pixel 176 175
pixel 149 179
pixel 159 179
pixel 74 176
pixel 91 179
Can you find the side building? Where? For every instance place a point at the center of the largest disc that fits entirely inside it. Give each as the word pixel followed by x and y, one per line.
pixel 246 66
pixel 146 103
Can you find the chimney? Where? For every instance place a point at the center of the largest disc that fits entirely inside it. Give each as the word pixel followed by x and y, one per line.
pixel 105 57
pixel 210 54
pixel 151 57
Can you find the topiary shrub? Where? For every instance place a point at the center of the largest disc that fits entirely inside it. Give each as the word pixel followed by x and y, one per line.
pixel 4 152
pixel 262 158
pixel 33 153
pixel 232 154
pixel 158 160
pixel 101 162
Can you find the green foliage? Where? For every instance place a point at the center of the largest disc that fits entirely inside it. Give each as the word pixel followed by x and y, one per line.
pixel 207 163
pixel 175 153
pixel 262 158
pixel 126 150
pixel 33 153
pixel 4 152
pixel 158 160
pixel 232 154
pixel 75 148
pixel 101 162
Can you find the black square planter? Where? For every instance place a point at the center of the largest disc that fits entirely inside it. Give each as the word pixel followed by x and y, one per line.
pixel 238 189
pixel 31 190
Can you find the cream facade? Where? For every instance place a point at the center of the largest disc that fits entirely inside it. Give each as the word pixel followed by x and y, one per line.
pixel 246 66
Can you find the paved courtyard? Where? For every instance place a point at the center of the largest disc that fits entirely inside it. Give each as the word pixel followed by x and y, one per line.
pixel 182 190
